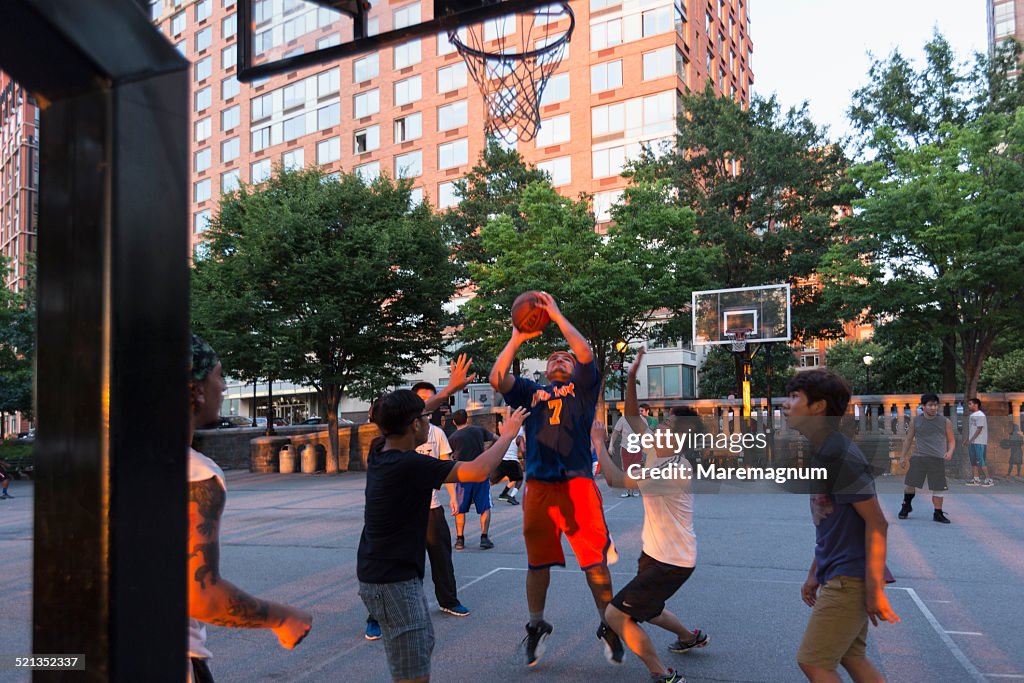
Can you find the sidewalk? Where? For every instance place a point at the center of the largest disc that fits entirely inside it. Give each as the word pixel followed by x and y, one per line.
pixel 293 538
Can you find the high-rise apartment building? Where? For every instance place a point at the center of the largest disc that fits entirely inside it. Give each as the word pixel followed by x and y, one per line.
pixel 1005 20
pixel 19 183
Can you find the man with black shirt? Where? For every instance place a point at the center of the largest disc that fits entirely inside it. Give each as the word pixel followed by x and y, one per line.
pixel 468 442
pixel 390 565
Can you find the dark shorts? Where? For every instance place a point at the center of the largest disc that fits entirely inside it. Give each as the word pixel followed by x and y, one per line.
pixel 655 582
pixel 933 469
pixel 477 494
pixel 200 672
pixel 977 452
pixel 507 468
pixel 573 508
pixel 401 610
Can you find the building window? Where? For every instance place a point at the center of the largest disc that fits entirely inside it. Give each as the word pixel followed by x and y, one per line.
pixel 203 68
pixel 260 171
pixel 451 116
pixel 408 90
pixel 664 381
pixel 204 128
pixel 553 131
pixel 230 181
pixel 229 87
pixel 367 103
pixel 328 116
pixel 409 165
pixel 453 154
pixel 1002 19
pixel 408 127
pixel 406 16
pixel 407 54
pixel 502 26
pixel 295 127
pixel 204 39
pixel 178 23
pixel 230 149
pixel 660 113
pixel 603 203
pixel 366 68
pixel 328 151
pixel 201 191
pixel 507 139
pixel 230 118
pixel 606 76
pixel 559 169
pixel 368 172
pixel 609 162
pixel 605 34
pixel 610 118
pixel 451 77
pixel 329 41
pixel 293 159
pixel 444 46
pixel 156 8
pixel 203 159
pixel 557 90
pixel 204 8
pixel 657 21
pixel 447 196
pixel 601 4
pixel 810 361
pixel 260 139
pixel 229 57
pixel 204 98
pixel 660 63
pixel 201 221
pixel 328 83
pixel 367 139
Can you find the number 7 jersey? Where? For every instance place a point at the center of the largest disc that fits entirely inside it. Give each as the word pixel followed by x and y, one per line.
pixel 558 429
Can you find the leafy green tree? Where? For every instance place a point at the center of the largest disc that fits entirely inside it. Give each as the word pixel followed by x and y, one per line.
pixel 765 185
pixel 17 344
pixel 716 378
pixel 846 359
pixel 938 238
pixel 338 284
pixel 609 286
pixel 1005 373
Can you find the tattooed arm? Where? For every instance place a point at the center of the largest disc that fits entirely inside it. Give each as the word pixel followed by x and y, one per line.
pixel 213 599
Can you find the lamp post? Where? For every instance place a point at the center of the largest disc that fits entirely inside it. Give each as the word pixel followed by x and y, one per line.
pixel 868 360
pixel 621 347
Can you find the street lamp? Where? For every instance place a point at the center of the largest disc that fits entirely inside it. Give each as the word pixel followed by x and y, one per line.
pixel 621 347
pixel 868 360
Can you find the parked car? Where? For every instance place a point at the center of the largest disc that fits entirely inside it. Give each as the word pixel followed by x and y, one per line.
pixel 278 422
pixel 228 421
pixel 27 437
pixel 316 420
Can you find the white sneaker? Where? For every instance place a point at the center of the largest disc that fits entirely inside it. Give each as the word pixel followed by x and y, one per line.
pixel 989 482
pixel 974 482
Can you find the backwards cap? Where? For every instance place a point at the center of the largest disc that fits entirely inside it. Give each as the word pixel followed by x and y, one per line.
pixel 204 359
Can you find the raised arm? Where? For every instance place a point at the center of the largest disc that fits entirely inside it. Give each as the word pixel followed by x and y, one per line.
pixel 577 342
pixel 458 378
pixel 500 378
pixel 480 468
pixel 636 423
pixel 613 474
pixel 215 600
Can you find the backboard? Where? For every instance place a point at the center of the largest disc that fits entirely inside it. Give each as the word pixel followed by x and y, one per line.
pixel 278 36
pixel 763 313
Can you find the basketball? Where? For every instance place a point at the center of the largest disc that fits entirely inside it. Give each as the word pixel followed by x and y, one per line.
pixel 526 315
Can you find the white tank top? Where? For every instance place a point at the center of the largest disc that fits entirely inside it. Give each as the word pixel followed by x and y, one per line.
pixel 200 468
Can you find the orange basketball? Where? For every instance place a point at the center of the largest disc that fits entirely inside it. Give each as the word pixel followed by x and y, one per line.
pixel 526 315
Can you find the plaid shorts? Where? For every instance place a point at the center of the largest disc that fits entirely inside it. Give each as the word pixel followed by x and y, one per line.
pixel 401 610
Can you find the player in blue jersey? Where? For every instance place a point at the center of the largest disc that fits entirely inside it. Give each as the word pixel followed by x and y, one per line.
pixel 560 494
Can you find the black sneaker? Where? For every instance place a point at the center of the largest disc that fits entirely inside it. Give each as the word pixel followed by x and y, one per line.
pixel 670 677
pixel 534 641
pixel 612 644
pixel 485 543
pixel 511 500
pixel 700 639
pixel 503 495
pixel 460 543
pixel 940 517
pixel 905 510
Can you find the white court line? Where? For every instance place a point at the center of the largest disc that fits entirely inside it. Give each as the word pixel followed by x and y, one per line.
pixel 1021 676
pixel 964 633
pixel 972 671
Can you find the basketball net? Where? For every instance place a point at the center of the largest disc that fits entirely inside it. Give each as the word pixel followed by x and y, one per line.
pixel 739 340
pixel 511 59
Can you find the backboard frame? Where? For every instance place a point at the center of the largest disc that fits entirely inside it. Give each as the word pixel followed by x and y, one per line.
pixel 248 71
pixel 755 337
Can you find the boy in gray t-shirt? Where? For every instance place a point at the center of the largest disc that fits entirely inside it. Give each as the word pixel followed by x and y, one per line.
pixel 932 437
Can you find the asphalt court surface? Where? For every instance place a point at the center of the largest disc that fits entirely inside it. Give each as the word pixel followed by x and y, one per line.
pixel 293 538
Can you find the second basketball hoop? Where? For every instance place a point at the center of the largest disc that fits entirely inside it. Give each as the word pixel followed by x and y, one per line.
pixel 512 76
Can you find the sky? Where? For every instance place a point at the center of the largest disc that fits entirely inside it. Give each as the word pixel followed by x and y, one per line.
pixel 817 50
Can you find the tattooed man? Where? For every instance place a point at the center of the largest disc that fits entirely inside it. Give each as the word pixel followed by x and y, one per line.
pixel 211 598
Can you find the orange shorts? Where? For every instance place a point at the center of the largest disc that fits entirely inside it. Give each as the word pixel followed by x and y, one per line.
pixel 573 508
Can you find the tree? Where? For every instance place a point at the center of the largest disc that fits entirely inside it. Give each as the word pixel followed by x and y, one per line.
pixel 717 376
pixel 17 344
pixel 608 286
pixel 343 282
pixel 846 359
pixel 939 237
pixel 765 186
pixel 1005 373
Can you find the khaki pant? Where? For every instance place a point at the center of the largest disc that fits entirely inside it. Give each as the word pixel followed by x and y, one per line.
pixel 838 626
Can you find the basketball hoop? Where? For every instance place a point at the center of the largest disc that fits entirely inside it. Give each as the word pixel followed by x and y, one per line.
pixel 512 77
pixel 738 337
